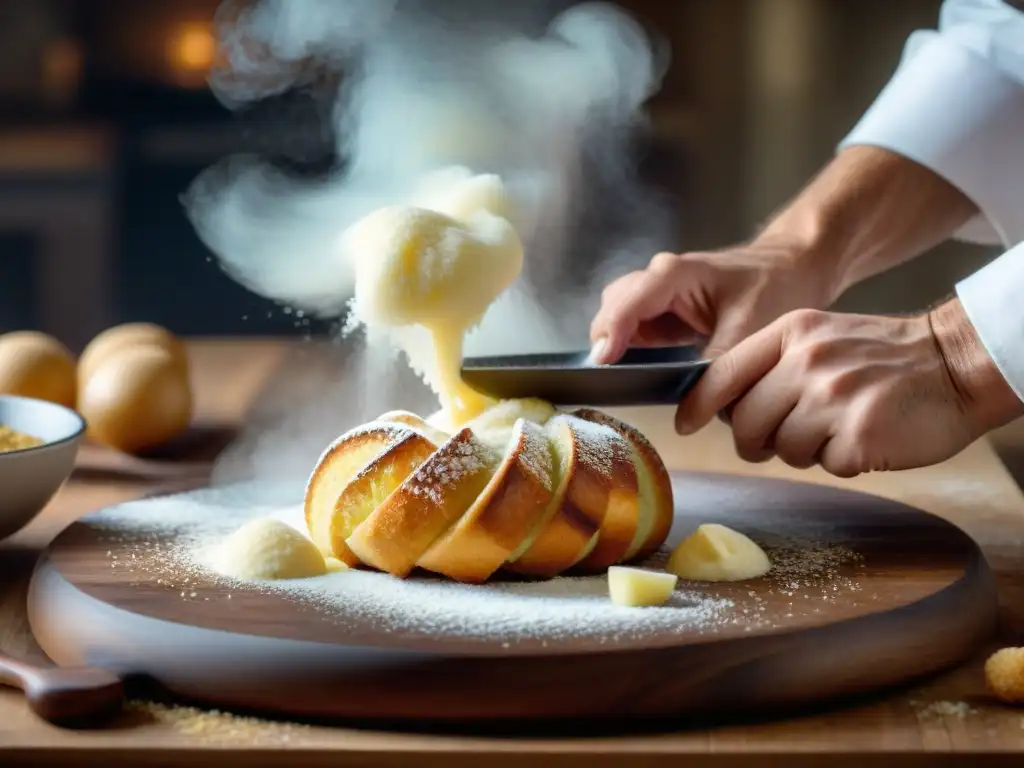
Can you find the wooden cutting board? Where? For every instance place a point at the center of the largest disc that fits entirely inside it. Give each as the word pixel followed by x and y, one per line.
pixel 867 593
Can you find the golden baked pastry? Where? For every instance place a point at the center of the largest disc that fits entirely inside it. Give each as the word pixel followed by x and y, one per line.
pixel 539 494
pixel 481 486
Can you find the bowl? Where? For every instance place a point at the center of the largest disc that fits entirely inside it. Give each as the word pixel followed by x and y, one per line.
pixel 31 477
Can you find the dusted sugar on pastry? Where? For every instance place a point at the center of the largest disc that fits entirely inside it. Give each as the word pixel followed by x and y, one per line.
pixel 480 486
pixel 537 493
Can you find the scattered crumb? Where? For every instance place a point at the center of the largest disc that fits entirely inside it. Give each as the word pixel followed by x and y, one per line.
pixel 215 725
pixel 936 709
pixel 1004 675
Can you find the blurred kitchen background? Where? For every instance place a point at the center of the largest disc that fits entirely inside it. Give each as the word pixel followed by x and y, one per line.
pixel 105 118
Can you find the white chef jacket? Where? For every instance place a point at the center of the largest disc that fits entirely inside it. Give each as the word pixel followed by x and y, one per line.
pixel 956 105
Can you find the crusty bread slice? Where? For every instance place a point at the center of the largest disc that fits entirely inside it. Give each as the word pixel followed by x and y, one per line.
pixel 432 498
pixel 618 529
pixel 371 485
pixel 656 502
pixel 504 513
pixel 343 459
pixel 414 422
pixel 568 531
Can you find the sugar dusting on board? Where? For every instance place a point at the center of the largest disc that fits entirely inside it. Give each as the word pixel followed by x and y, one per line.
pixel 170 541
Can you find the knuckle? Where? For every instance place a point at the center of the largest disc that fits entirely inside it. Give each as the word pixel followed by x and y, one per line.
pixel 805 320
pixel 825 390
pixel 611 291
pixel 842 458
pixel 665 262
pixel 846 463
pixel 841 467
pixel 794 454
pixel 747 437
pixel 813 355
pixel 797 461
pixel 721 373
pixel 849 454
pixel 750 450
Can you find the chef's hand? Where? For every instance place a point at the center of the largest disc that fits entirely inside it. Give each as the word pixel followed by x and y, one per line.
pixel 866 212
pixel 855 393
pixel 718 298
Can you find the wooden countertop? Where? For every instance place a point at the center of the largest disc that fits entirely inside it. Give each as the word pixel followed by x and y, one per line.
pixel 939 722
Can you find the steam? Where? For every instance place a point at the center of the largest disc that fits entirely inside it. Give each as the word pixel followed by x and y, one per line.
pixel 427 87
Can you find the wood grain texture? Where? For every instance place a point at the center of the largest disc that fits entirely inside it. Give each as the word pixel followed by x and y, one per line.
pixel 899 728
pixel 918 598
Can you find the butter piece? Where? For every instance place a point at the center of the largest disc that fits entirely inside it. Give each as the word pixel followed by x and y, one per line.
pixel 715 552
pixel 635 587
pixel 267 549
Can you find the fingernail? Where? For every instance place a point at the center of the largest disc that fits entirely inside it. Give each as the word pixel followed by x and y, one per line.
pixel 682 425
pixel 597 351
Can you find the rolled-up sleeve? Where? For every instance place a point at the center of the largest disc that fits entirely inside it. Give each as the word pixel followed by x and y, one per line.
pixel 956 106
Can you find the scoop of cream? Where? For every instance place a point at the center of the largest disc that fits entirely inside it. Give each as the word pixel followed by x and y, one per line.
pixel 268 549
pixel 420 266
pixel 458 192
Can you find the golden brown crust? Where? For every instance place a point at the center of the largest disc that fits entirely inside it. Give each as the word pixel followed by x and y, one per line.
pixel 343 459
pixel 503 514
pixel 583 493
pixel 425 504
pixel 579 504
pixel 662 495
pixel 414 422
pixel 619 527
pixel 370 487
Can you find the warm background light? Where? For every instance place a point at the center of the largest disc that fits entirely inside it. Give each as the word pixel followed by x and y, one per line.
pixel 191 52
pixel 62 71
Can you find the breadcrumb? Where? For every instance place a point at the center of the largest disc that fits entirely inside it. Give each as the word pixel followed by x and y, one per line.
pixel 1004 674
pixel 217 726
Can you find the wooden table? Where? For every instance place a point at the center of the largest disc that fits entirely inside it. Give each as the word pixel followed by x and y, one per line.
pixel 939 722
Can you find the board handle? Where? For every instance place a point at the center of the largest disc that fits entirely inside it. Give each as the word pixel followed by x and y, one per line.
pixel 73 696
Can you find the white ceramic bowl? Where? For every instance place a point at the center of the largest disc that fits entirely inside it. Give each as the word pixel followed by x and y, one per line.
pixel 30 478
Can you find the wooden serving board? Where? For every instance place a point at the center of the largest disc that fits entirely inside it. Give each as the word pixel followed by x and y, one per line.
pixel 867 594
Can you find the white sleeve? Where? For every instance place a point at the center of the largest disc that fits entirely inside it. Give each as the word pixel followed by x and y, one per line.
pixel 993 298
pixel 956 105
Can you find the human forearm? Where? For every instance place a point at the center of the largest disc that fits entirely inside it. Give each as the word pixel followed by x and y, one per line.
pixel 866 212
pixel 985 394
